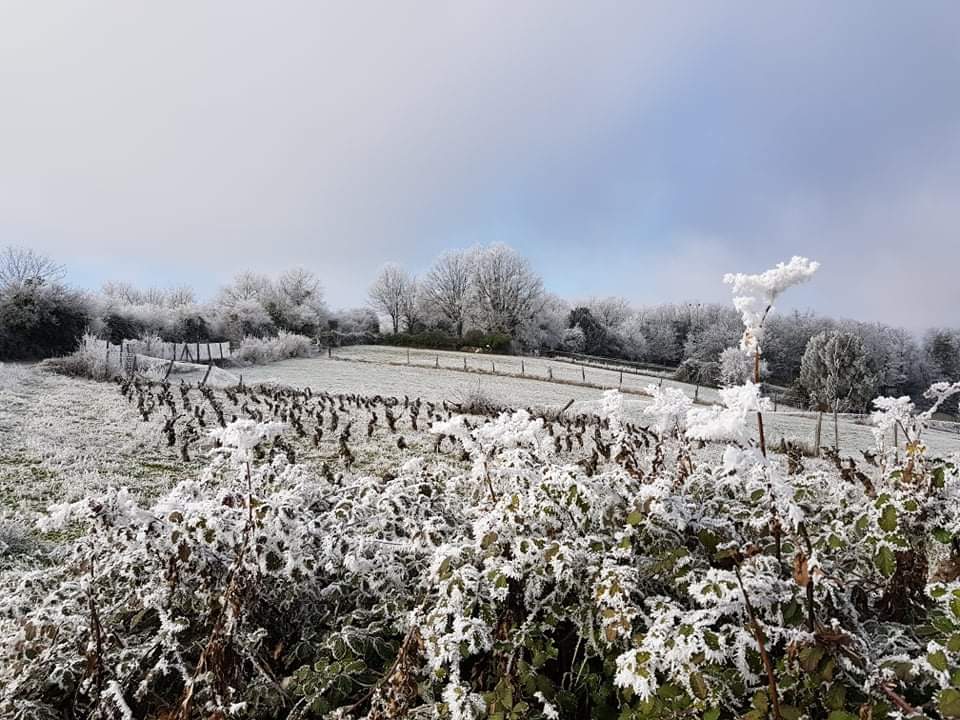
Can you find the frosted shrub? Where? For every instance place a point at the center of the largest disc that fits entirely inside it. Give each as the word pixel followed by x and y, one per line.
pixel 285 345
pixel 87 361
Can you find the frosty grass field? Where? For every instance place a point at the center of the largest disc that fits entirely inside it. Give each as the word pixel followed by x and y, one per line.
pixel 62 437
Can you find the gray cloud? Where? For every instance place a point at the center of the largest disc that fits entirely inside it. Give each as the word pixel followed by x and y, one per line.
pixel 630 148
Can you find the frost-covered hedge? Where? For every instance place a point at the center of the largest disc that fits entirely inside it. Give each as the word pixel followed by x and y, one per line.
pixel 642 583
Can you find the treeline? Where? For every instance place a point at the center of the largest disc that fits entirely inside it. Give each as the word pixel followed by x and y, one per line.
pixel 486 297
pixel 493 289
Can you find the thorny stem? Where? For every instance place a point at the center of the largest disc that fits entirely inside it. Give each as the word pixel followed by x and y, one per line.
pixel 811 609
pixel 486 475
pixel 900 702
pixel 97 631
pixel 756 380
pixel 764 657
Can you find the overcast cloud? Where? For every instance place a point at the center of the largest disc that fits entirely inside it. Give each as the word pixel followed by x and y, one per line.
pixel 637 148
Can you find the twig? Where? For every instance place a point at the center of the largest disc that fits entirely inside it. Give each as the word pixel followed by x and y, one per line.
pixel 758 634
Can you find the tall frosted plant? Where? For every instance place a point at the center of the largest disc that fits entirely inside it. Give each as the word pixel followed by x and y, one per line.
pixel 754 296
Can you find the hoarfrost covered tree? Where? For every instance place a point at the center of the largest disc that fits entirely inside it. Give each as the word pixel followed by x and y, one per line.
pixel 296 303
pixel 632 338
pixel 21 266
pixel 356 320
pixel 598 339
pixel 449 285
pixel 180 296
pixel 246 285
pixel 123 293
pixel 736 366
pixel 414 309
pixel 662 345
pixel 545 328
pixel 573 340
pixel 509 293
pixel 242 306
pixel 611 312
pixel 708 342
pixel 393 293
pixel 942 348
pixel 835 375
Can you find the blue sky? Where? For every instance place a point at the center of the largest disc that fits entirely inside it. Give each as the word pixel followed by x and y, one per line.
pixel 640 149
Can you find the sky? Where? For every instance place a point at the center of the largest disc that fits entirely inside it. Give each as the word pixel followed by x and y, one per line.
pixel 640 149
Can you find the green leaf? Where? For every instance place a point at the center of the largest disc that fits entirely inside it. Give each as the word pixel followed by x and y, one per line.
pixel 698 685
pixel 888 519
pixel 943 536
pixel 938 660
pixel 950 703
pixel 886 561
pixel 634 518
pixel 953 644
pixel 712 714
pixel 938 477
pixel 790 712
pixel 760 701
pixel 810 658
pixel 841 715
pixel 836 697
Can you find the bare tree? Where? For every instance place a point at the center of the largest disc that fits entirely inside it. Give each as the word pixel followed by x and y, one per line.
pixel 22 266
pixel 180 296
pixel 611 312
pixel 299 286
pixel 155 296
pixel 509 293
pixel 393 293
pixel 122 292
pixel 413 309
pixel 246 285
pixel 448 286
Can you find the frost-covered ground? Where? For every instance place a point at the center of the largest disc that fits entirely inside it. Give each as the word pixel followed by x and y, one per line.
pixel 371 370
pixel 61 437
pixel 533 367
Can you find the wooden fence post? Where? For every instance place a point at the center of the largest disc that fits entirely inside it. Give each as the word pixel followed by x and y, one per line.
pixel 436 362
pixel 583 374
pixel 549 372
pixel 621 380
pixel 464 363
pixel 522 371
